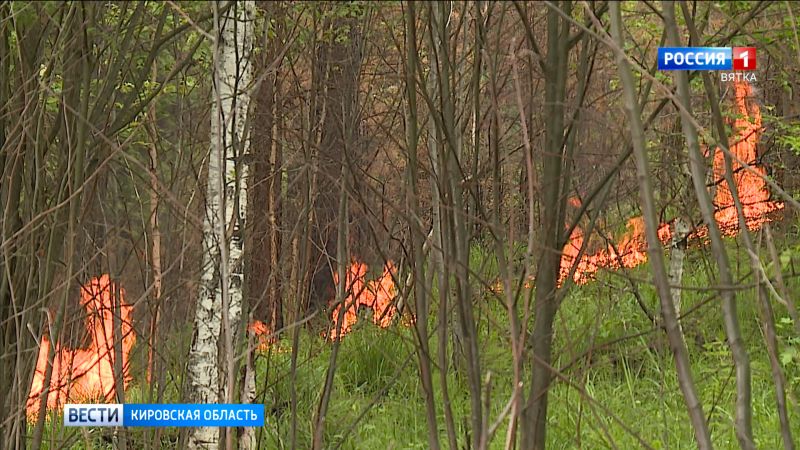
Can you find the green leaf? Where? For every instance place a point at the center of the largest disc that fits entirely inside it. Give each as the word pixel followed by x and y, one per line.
pixel 785 258
pixel 788 355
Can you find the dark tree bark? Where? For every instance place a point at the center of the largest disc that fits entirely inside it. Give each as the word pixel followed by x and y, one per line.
pixel 340 65
pixel 421 304
pixel 552 212
pixel 264 290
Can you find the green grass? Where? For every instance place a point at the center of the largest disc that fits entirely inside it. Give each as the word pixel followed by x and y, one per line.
pixel 620 394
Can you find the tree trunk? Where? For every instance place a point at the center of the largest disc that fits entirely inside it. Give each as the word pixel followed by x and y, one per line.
pixel 219 306
pixel 454 239
pixel 155 236
pixel 264 242
pixel 438 272
pixel 680 232
pixel 741 360
pixel 342 265
pixel 339 122
pixel 421 305
pixel 656 256
pixel 534 415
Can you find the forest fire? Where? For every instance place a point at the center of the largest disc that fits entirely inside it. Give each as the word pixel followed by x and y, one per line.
pixel 377 295
pixel 751 187
pixel 631 250
pixel 261 332
pixel 87 374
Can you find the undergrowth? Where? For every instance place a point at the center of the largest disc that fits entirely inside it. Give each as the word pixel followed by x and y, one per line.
pixel 617 388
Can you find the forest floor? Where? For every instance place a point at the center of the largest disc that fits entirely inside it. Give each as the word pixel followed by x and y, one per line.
pixel 618 387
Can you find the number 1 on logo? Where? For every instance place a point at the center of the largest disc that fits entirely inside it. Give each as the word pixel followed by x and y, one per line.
pixel 744 58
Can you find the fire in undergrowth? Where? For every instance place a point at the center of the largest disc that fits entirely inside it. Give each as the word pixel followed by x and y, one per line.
pixel 752 189
pixel 377 295
pixel 87 374
pixel 629 252
pixel 260 331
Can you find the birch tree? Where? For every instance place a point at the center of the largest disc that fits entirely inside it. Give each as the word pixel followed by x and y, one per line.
pixel 219 306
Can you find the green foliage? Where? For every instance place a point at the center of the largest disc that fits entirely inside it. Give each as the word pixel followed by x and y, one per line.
pixel 632 378
pixel 621 388
pixel 788 134
pixel 370 358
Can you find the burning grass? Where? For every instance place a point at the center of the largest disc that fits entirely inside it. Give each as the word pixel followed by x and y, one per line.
pixel 751 187
pixel 85 374
pixel 377 295
pixel 262 334
pixel 752 190
pixel 631 379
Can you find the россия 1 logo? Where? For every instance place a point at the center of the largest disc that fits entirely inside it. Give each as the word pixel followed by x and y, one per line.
pixel 710 58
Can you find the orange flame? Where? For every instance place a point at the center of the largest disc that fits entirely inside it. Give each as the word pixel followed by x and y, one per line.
pixel 751 187
pixel 87 374
pixel 260 330
pixel 378 295
pixel 631 250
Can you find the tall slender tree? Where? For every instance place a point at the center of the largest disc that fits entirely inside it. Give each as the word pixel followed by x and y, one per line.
pixel 654 249
pixel 219 304
pixel 555 181
pixel 421 305
pixel 741 359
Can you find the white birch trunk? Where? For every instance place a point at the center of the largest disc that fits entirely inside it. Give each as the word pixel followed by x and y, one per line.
pixel 680 229
pixel 155 233
pixel 219 304
pixel 247 441
pixel 237 76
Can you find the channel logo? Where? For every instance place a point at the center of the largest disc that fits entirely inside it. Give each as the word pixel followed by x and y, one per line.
pixel 164 415
pixel 744 58
pixel 706 58
pixel 93 415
